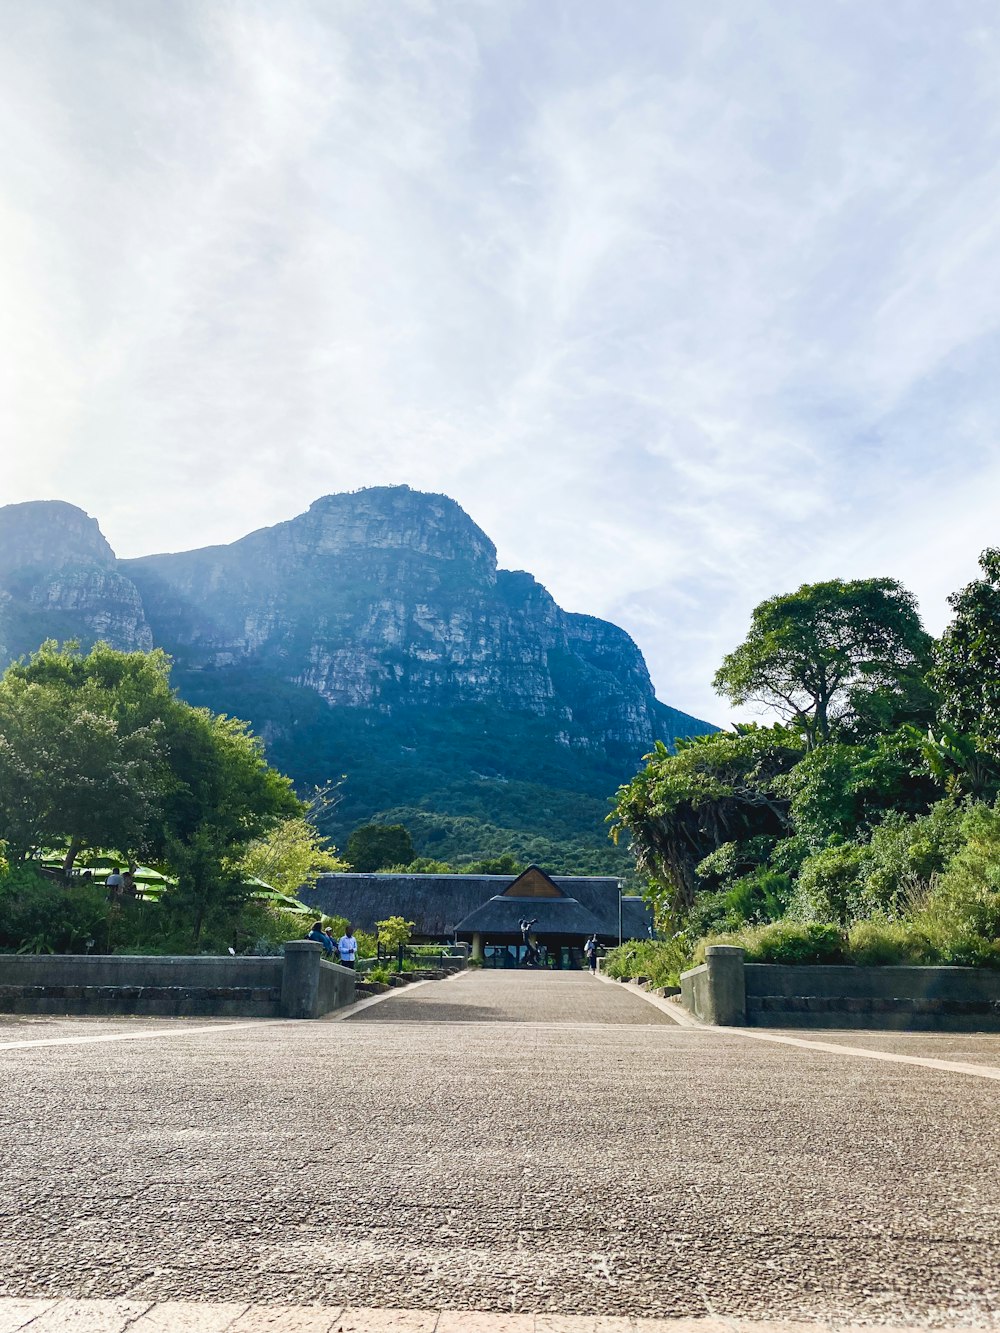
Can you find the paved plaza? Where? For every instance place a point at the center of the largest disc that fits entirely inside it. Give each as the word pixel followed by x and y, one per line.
pixel 515 1143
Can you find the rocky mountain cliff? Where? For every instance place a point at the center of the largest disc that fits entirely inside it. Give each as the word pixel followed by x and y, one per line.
pixel 59 579
pixel 390 598
pixel 373 634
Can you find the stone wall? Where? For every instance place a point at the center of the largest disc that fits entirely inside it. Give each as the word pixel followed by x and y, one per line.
pixel 230 987
pixel 730 992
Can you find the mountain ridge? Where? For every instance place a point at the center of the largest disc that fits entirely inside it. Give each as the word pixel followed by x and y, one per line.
pixel 374 627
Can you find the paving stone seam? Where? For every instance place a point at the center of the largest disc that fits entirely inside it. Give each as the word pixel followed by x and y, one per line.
pixel 145 1035
pixel 679 1015
pixel 809 1044
pixel 64 1316
pixel 867 1053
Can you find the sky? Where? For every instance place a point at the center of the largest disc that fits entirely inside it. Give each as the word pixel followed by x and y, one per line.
pixel 685 303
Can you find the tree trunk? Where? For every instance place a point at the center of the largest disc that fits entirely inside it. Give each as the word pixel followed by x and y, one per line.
pixel 75 847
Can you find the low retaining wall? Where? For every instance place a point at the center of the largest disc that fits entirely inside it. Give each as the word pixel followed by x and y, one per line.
pixel 298 985
pixel 728 991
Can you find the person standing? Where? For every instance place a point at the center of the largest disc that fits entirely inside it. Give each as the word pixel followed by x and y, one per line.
pixel 319 936
pixel 347 947
pixel 590 949
pixel 530 952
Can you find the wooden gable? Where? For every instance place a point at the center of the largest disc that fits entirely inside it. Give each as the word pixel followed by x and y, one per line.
pixel 533 883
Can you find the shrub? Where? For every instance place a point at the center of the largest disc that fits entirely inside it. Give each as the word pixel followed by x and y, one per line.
pixel 759 897
pixel 662 961
pixel 889 943
pixel 784 942
pixel 829 884
pixel 39 915
pixel 906 851
pixel 393 932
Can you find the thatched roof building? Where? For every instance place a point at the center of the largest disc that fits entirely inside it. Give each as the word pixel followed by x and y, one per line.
pixel 441 904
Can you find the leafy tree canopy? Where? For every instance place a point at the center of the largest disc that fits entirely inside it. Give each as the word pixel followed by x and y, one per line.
pixel 375 846
pixel 97 750
pixel 392 932
pixel 713 790
pixel 290 856
pixel 967 662
pixel 830 654
pixel 84 756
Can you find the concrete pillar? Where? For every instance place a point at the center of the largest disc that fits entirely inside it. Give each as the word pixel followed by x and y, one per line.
pixel 477 945
pixel 300 979
pixel 727 996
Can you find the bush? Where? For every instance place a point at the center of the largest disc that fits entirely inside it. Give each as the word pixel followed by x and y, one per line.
pixel 40 915
pixel 759 897
pixel 888 944
pixel 784 942
pixel 829 884
pixel 904 852
pixel 662 961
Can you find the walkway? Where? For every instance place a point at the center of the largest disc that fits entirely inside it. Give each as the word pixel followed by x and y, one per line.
pixel 498 1142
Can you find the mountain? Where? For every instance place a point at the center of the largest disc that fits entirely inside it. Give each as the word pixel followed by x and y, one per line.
pixel 375 636
pixel 59 579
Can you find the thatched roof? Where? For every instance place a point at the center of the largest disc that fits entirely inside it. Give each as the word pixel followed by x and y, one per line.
pixel 552 916
pixel 437 903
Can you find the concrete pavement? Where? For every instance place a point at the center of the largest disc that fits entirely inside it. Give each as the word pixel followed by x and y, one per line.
pixel 501 1142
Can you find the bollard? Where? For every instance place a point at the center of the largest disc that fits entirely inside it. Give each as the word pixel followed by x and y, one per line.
pixel 727 997
pixel 300 979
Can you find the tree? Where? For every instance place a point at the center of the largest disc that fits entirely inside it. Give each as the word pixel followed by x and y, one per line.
pixel 819 656
pixel 967 659
pixel 78 765
pixel 375 846
pixel 225 797
pixel 393 932
pixel 716 789
pixel 97 749
pixel 507 864
pixel 290 856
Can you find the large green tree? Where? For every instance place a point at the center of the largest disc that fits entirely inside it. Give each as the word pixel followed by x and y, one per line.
pixel 225 797
pixel 830 654
pixel 97 750
pixel 376 846
pixel 82 754
pixel 290 856
pixel 715 790
pixel 967 660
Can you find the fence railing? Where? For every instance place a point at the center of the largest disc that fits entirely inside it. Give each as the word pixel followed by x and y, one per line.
pixel 409 957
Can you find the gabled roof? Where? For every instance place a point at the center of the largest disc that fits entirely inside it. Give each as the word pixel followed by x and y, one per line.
pixel 534 883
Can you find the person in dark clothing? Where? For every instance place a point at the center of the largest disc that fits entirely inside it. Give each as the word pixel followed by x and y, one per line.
pixel 531 954
pixel 319 935
pixel 590 949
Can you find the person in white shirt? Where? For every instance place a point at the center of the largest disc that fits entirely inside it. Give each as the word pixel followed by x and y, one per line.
pixel 347 947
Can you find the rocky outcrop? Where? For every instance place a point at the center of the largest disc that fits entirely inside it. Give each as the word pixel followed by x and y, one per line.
pixel 390 598
pixel 59 579
pixel 385 600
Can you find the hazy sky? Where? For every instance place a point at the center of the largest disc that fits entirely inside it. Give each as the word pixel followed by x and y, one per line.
pixel 687 302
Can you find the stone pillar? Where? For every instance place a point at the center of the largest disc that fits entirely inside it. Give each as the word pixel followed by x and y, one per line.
pixel 300 979
pixel 727 996
pixel 477 945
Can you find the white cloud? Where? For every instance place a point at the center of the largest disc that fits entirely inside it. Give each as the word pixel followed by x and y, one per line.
pixel 687 305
